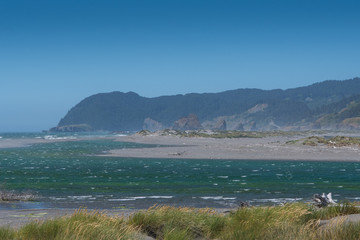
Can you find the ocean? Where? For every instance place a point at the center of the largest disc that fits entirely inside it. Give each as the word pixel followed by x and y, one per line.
pixel 68 174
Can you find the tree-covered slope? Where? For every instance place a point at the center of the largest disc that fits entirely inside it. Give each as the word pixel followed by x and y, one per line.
pixel 117 111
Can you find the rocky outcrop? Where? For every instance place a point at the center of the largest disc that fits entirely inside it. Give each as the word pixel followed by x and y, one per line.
pixel 72 128
pixel 239 127
pixel 220 125
pixel 152 125
pixel 188 123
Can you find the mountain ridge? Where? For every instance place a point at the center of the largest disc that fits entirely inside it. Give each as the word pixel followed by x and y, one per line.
pixel 295 107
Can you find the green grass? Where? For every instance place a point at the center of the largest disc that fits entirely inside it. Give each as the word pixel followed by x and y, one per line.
pixel 291 221
pixel 162 221
pixel 81 225
pixel 337 141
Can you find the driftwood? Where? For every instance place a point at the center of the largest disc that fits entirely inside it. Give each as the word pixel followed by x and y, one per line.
pixel 176 153
pixel 8 196
pixel 323 200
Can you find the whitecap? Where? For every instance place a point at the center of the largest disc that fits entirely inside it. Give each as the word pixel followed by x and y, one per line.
pixel 80 197
pixel 121 135
pixel 218 198
pixel 139 197
pixel 57 198
pixel 213 198
pixel 278 200
pixel 165 197
pixel 121 200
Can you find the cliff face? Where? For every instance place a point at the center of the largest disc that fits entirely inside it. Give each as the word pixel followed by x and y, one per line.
pixel 187 123
pixel 318 105
pixel 152 125
pixel 220 125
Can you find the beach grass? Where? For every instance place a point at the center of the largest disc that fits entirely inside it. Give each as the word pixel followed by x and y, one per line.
pixel 82 224
pixel 162 221
pixel 291 221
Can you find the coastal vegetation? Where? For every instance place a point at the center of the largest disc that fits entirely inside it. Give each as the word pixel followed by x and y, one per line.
pixel 291 221
pixel 220 133
pixel 337 141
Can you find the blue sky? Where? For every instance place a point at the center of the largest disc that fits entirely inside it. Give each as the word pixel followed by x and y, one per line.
pixel 55 53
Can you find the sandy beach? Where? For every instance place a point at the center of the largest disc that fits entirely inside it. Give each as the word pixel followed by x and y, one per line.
pixel 267 148
pixel 25 142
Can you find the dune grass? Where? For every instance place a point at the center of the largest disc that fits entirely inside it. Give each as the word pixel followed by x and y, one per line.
pixel 292 221
pixel 81 225
pixel 164 221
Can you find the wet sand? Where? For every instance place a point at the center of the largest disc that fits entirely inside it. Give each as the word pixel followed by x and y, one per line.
pixel 267 148
pixel 25 142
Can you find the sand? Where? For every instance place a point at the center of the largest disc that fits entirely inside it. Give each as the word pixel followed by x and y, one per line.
pixel 267 148
pixel 25 142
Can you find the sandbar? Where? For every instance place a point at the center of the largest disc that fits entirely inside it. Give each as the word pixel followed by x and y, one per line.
pixel 266 148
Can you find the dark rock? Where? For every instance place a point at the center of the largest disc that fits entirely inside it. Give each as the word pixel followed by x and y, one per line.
pixel 72 128
pixel 152 125
pixel 188 123
pixel 220 125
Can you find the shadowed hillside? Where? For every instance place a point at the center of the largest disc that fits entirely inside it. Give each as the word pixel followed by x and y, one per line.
pixel 254 109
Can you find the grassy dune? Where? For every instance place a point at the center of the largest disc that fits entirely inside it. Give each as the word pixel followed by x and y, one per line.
pixel 292 221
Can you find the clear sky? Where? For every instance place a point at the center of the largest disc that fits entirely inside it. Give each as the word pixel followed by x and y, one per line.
pixel 54 53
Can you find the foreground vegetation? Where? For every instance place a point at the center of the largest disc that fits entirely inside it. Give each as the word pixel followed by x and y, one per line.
pixel 292 221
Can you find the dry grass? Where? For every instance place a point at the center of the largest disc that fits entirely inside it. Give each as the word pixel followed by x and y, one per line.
pixel 81 225
pixel 292 221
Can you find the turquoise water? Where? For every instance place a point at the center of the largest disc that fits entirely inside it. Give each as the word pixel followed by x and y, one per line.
pixel 68 175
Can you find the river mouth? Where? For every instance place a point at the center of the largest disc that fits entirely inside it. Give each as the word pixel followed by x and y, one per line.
pixel 69 174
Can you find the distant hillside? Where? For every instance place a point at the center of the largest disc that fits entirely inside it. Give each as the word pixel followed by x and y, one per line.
pixel 253 109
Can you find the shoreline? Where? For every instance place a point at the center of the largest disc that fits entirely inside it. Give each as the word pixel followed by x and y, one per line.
pixel 175 147
pixel 266 148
